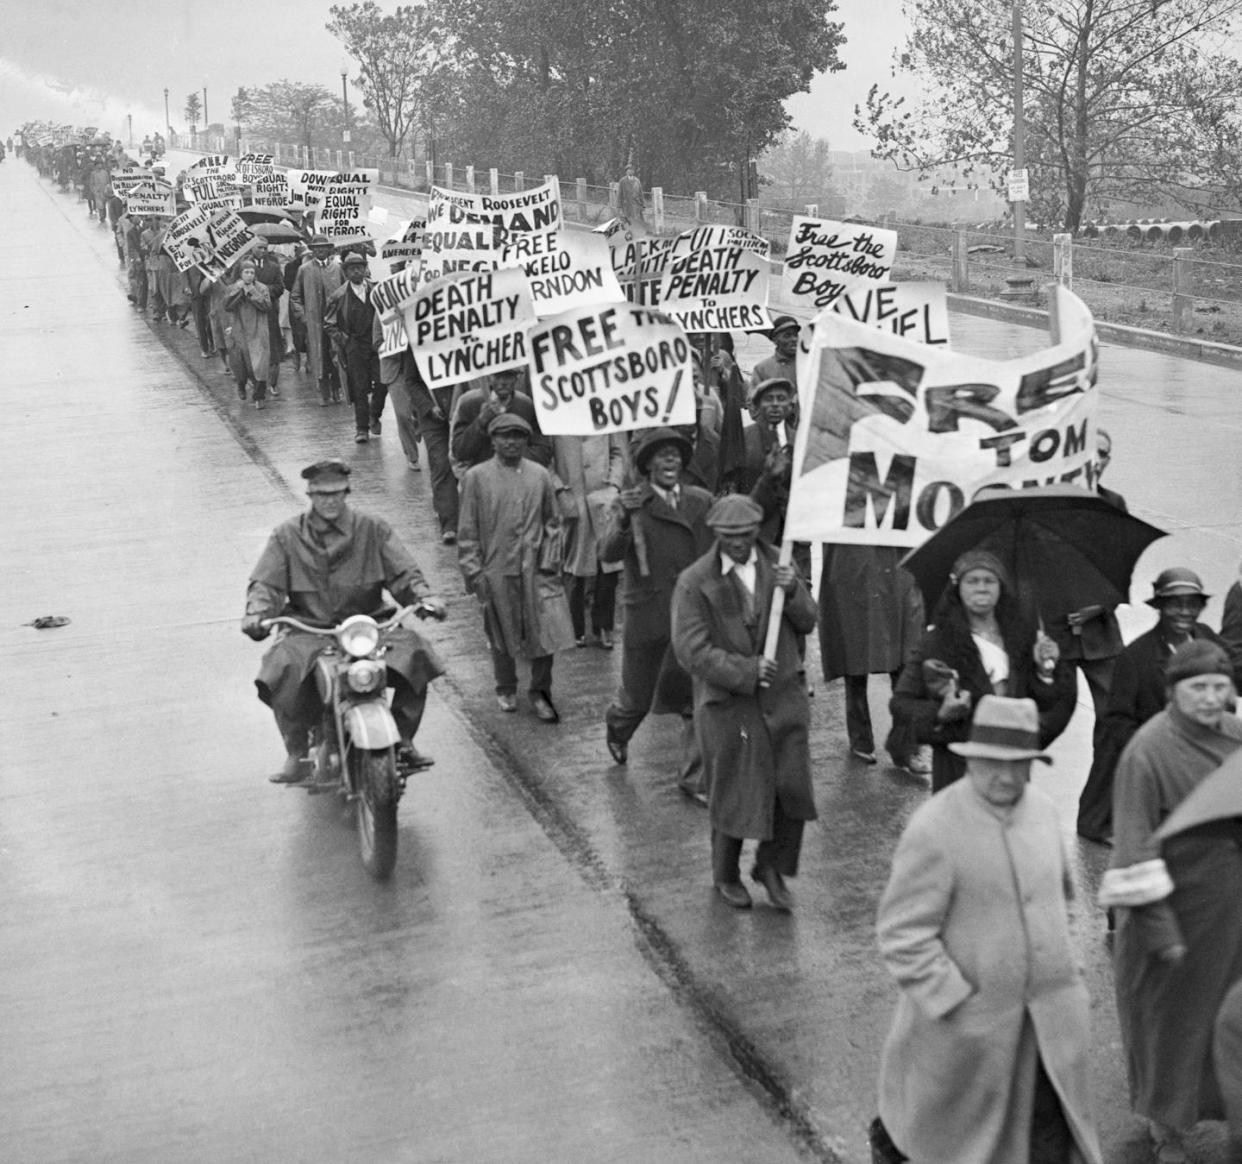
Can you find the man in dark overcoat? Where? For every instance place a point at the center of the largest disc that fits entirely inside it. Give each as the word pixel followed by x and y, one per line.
pixel 667 517
pixel 314 282
pixel 349 318
pixel 751 713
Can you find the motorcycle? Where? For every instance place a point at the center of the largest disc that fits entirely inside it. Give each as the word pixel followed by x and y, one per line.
pixel 354 750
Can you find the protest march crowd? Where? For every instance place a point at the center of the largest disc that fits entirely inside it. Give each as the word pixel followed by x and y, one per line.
pixel 611 477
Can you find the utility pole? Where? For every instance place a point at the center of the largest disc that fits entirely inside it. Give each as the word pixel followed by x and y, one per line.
pixel 167 119
pixel 345 103
pixel 206 119
pixel 1019 138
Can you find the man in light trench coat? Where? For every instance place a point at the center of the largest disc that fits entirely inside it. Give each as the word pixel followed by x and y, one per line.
pixel 986 1059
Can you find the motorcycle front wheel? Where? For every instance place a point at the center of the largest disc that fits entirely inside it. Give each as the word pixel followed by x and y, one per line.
pixel 376 810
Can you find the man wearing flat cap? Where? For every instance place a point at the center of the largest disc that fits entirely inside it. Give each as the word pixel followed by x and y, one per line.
pixel 1176 891
pixel 783 363
pixel 751 713
pixel 656 529
pixel 1138 688
pixel 313 285
pixel 349 319
pixel 510 550
pixel 986 1060
pixel 321 567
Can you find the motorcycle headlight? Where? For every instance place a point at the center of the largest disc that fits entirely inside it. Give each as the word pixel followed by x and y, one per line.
pixel 358 636
pixel 366 676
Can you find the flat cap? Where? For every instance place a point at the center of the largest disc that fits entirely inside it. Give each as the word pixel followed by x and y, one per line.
pixel 784 323
pixel 734 511
pixel 353 258
pixel 508 420
pixel 765 386
pixel 322 469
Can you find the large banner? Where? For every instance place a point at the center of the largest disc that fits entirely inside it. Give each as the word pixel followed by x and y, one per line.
pixel 610 369
pixel 717 279
pixel 343 213
pixel 566 269
pixel 467 325
pixel 824 259
pixel 898 436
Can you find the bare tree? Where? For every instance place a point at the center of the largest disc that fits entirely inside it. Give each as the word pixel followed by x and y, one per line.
pixel 397 56
pixel 1121 101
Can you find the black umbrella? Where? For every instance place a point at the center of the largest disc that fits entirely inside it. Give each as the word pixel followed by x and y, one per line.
pixel 1065 547
pixel 253 214
pixel 277 232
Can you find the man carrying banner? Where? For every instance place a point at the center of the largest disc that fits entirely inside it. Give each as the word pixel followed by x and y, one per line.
pixel 509 549
pixel 667 518
pixel 349 319
pixel 314 283
pixel 751 713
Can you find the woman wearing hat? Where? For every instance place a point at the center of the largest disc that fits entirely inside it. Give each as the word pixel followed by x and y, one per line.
pixel 977 645
pixel 247 302
pixel 1176 886
pixel 986 1061
pixel 1138 691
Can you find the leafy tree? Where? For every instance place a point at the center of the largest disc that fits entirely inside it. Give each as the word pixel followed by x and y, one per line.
pixel 193 109
pixel 1121 101
pixel 397 54
pixel 691 90
pixel 289 111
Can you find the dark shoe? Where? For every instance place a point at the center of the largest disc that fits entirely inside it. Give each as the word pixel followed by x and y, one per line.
pixel 913 763
pixel 506 700
pixel 734 893
pixel 295 770
pixel 449 537
pixel 361 437
pixel 259 405
pixel 583 641
pixel 541 704
pixel 413 466
pixel 241 394
pixel 774 883
pixel 695 792
pixel 618 748
pixel 863 755
pixel 410 759
pixel 376 428
pixel 605 640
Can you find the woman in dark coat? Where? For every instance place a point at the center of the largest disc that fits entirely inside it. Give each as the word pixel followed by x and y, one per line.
pixel 977 645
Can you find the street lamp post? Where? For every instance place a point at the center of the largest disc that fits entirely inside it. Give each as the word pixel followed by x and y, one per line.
pixel 206 119
pixel 167 119
pixel 345 104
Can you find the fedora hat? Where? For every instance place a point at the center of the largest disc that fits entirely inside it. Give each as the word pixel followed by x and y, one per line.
pixel 1004 729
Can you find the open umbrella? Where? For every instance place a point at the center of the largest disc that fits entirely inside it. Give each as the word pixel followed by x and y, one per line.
pixel 277 232
pixel 1065 547
pixel 252 214
pixel 1218 796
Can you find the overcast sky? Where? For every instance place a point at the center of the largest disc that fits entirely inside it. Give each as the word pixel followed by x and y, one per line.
pixel 92 64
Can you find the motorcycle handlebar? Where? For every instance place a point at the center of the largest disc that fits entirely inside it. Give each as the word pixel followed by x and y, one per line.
pixel 418 609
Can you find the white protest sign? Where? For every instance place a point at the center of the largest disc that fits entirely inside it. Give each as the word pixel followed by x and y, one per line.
pixel 611 368
pixel 640 265
pixel 252 165
pixel 566 269
pixel 271 189
pixel 185 238
pixel 212 165
pixel 824 259
pixel 150 198
pixel 387 297
pixel 343 210
pixel 407 243
pixel 451 247
pixel 897 436
pixel 124 180
pixel 536 209
pixel 717 279
pixel 307 186
pixel 466 325
pixel 914 311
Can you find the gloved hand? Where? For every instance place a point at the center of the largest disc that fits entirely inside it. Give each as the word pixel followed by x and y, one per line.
pixel 252 625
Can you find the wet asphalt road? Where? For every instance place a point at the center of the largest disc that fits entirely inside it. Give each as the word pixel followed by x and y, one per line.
pixel 193 966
